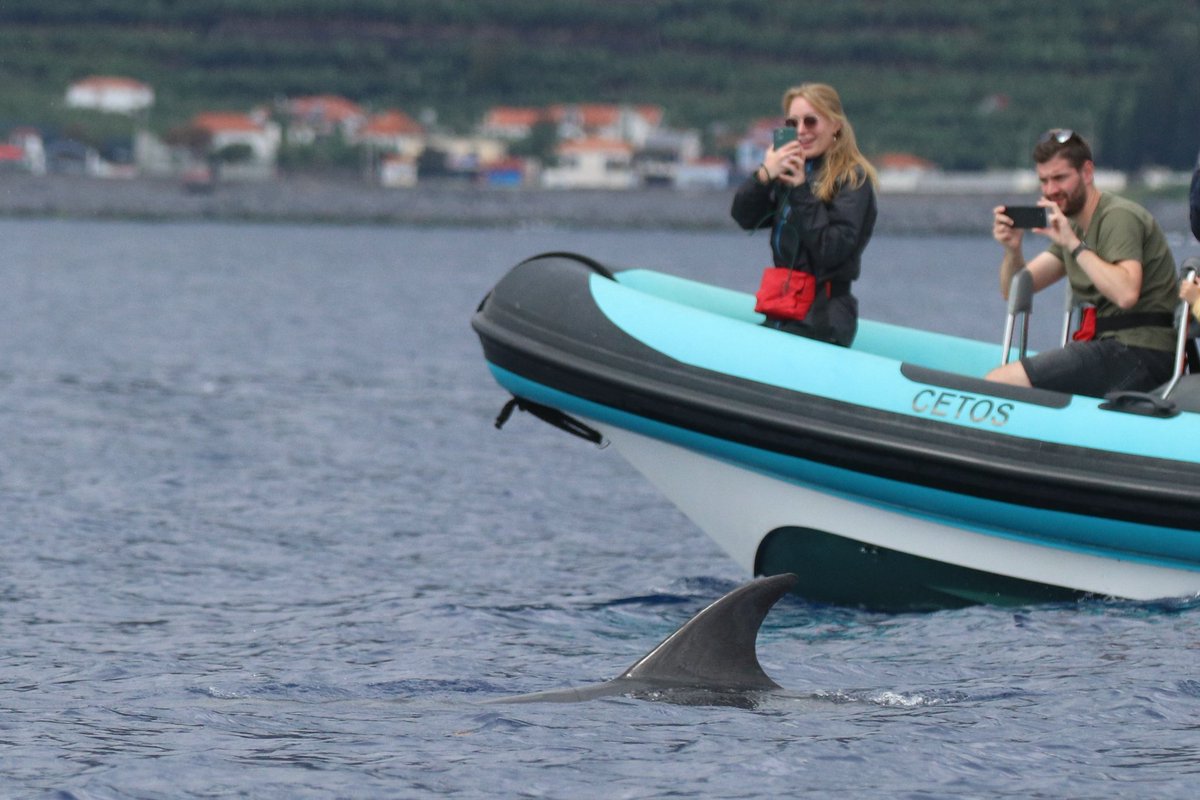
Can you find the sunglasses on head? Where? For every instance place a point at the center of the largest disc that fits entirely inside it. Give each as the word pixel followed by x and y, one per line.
pixel 1060 135
pixel 809 120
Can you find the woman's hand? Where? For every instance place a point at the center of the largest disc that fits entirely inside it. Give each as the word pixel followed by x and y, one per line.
pixel 782 164
pixel 791 165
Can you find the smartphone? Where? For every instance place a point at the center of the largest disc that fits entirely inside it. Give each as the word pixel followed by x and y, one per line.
pixel 783 136
pixel 1028 216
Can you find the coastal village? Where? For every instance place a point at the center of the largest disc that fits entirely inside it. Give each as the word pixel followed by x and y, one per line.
pixel 561 146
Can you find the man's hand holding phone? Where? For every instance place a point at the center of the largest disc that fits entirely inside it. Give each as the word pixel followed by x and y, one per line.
pixel 1010 222
pixel 1028 216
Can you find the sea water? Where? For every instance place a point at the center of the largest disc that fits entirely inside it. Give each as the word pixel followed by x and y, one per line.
pixel 261 539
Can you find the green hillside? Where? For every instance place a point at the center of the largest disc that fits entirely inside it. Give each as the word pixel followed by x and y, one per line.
pixel 967 85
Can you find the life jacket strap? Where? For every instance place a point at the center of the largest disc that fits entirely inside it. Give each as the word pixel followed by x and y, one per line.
pixel 1092 326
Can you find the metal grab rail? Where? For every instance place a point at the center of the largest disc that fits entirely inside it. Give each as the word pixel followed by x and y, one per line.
pixel 1020 305
pixel 1190 267
pixel 1070 306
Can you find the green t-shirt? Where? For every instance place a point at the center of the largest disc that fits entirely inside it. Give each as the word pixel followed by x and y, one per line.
pixel 1121 229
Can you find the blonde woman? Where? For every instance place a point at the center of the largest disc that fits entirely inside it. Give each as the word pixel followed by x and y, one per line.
pixel 817 194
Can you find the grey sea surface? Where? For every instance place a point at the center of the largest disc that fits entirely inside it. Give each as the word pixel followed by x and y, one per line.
pixel 261 539
pixel 348 200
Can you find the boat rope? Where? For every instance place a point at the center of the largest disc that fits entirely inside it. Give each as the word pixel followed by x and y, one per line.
pixel 553 416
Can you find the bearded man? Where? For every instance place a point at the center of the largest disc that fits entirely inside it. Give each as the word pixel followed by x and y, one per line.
pixel 1118 263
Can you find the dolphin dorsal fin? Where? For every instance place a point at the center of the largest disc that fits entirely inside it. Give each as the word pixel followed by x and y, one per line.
pixel 716 648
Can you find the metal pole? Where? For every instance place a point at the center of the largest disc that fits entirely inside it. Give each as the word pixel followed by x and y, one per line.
pixel 1020 304
pixel 1190 268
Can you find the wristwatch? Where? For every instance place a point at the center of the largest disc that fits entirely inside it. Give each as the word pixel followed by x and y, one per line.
pixel 1079 248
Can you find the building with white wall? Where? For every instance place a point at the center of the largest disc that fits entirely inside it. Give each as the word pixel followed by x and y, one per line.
pixel 111 94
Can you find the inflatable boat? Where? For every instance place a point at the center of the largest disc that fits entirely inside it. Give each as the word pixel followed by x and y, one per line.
pixel 888 475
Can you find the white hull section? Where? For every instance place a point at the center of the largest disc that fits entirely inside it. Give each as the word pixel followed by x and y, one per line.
pixel 737 507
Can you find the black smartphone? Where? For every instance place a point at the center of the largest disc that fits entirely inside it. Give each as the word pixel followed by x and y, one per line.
pixel 1028 216
pixel 783 136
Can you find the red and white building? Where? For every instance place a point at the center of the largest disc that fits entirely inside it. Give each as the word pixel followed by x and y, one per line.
pixel 318 116
pixel 29 144
pixel 631 124
pixel 592 164
pixel 261 136
pixel 393 132
pixel 511 123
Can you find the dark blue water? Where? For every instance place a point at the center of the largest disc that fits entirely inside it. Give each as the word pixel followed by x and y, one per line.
pixel 261 540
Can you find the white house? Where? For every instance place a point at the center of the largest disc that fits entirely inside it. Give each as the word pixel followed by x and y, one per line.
pixel 397 171
pixel 32 147
pixel 511 123
pixel 319 116
pixel 393 132
pixel 632 124
pixel 112 94
pixel 592 164
pixel 226 129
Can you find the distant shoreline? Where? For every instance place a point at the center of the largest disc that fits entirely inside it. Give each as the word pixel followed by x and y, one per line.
pixel 350 202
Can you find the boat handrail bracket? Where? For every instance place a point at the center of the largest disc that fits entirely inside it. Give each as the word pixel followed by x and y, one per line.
pixel 552 416
pixel 1142 403
pixel 1020 308
pixel 1186 355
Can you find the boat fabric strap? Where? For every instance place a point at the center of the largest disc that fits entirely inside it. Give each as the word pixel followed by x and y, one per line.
pixel 552 416
pixel 1091 326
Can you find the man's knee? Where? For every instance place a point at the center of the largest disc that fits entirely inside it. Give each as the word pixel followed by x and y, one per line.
pixel 1012 373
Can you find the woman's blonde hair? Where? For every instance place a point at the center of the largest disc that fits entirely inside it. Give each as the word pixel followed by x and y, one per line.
pixel 844 163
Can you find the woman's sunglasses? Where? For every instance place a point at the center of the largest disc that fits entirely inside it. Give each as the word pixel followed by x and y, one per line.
pixel 809 120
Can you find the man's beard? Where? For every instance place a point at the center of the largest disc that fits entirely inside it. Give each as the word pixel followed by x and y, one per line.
pixel 1075 201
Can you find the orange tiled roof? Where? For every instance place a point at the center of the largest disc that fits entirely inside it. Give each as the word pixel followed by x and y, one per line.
pixel 224 121
pixel 652 114
pixel 590 115
pixel 391 123
pixel 330 107
pixel 599 115
pixel 513 116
